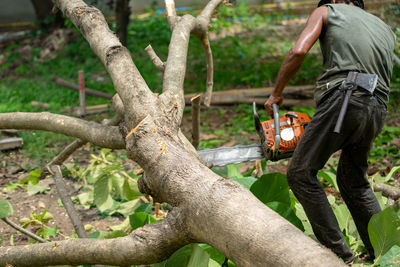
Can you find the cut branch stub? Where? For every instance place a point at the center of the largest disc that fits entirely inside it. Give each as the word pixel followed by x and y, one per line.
pixel 154 58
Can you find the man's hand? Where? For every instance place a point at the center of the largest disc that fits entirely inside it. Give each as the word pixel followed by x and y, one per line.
pixel 273 99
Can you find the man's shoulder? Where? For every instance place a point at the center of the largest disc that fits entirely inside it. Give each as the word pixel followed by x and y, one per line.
pixel 356 14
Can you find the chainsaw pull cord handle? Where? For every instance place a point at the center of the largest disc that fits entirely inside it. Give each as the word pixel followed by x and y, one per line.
pixel 277 129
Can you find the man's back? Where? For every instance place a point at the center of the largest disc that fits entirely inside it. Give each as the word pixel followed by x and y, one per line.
pixel 355 40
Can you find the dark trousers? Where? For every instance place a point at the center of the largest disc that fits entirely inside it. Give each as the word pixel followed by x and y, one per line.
pixel 363 122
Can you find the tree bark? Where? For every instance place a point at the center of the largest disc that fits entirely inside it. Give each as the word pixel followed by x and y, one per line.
pixel 206 207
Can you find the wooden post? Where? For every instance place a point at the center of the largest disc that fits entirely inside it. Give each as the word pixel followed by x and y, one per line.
pixel 196 121
pixel 82 99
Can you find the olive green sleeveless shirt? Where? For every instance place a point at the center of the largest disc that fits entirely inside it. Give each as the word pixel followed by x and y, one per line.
pixel 355 40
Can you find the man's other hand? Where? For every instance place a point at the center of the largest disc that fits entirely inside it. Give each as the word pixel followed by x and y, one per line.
pixel 272 100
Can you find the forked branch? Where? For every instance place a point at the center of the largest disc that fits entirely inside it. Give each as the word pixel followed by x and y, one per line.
pixel 127 80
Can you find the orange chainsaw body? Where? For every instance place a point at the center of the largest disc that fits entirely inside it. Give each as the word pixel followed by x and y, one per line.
pixel 291 125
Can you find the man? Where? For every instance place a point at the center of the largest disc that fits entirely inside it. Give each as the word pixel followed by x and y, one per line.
pixel 351 40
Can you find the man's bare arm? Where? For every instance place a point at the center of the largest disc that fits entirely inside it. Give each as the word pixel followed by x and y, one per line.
pixel 297 53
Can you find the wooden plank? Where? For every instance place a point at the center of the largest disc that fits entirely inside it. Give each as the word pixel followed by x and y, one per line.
pixel 75 87
pixel 292 94
pixel 10 143
pixel 90 110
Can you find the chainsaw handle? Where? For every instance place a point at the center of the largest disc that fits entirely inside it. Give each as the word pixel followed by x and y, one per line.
pixel 277 128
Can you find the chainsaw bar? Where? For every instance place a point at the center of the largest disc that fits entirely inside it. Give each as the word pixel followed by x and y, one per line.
pixel 231 155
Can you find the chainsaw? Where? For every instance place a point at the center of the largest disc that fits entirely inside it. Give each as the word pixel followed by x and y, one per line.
pixel 279 138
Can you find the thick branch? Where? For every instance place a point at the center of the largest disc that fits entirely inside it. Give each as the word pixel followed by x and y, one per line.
pixel 388 191
pixel 151 243
pixel 66 200
pixel 72 147
pixel 127 80
pixel 175 68
pixel 24 231
pixel 103 136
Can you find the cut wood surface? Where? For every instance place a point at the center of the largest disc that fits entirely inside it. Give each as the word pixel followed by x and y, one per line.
pixel 75 87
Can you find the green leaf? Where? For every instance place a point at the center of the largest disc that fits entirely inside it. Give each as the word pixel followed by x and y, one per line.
pixel 214 254
pixel 391 258
pixel 86 199
pixel 343 216
pixel 102 197
pixel 43 217
pixel 37 189
pixel 246 181
pixel 286 212
pixel 384 231
pixel 51 231
pixel 180 258
pixel 35 175
pixel 381 199
pixel 301 214
pixel 271 187
pixel 145 207
pixel 117 182
pixel 1 239
pixel 191 255
pixel 123 226
pixel 25 222
pixel 127 208
pixel 103 234
pixel 138 219
pixel 213 263
pixel 5 209
pixel 233 171
pixel 329 177
pixel 130 190
pixel 198 257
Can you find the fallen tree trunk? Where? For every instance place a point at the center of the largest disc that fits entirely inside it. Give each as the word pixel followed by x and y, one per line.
pixel 206 208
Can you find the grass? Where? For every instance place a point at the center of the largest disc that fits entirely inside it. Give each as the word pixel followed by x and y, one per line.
pixel 251 60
